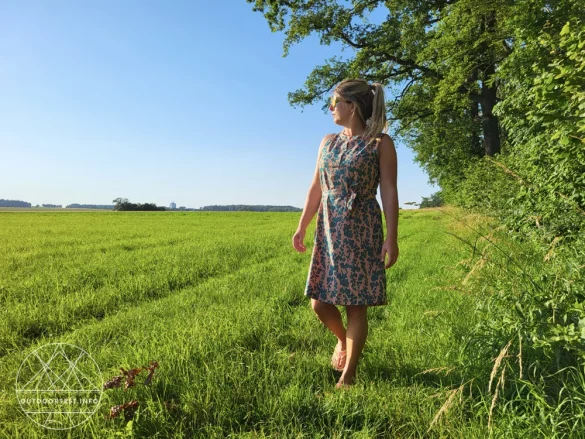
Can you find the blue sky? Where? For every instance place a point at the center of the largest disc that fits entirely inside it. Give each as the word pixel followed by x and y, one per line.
pixel 156 101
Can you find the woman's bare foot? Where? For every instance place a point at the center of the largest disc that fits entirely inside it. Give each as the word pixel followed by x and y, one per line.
pixel 345 382
pixel 339 357
pixel 347 379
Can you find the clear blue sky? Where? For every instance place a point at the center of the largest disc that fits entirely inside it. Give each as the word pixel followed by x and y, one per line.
pixel 156 101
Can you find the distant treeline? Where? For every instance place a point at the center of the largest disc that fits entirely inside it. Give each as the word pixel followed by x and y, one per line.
pixel 122 204
pixel 255 208
pixel 18 203
pixel 182 208
pixel 90 206
pixel 14 203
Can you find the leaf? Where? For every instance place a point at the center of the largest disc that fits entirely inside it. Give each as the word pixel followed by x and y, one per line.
pixel 582 327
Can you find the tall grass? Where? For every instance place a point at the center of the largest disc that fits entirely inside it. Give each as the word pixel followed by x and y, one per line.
pixel 217 299
pixel 528 347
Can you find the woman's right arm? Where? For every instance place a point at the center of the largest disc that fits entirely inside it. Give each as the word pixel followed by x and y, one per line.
pixel 314 195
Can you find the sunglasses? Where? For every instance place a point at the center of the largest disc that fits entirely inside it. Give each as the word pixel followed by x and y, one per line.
pixel 335 100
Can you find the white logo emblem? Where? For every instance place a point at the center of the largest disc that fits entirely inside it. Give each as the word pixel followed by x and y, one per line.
pixel 59 386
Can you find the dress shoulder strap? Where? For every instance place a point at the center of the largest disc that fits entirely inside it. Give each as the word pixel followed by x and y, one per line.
pixel 380 136
pixel 375 141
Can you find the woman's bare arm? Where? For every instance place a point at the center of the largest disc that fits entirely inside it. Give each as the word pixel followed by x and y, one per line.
pixel 388 186
pixel 314 195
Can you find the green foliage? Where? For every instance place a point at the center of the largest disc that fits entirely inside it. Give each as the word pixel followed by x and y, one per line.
pixel 546 146
pixel 528 347
pixel 535 187
pixel 434 200
pixel 122 204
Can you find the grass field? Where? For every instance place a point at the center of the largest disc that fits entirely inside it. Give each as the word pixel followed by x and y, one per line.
pixel 217 300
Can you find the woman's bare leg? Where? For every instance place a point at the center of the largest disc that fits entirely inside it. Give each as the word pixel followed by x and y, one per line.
pixel 331 318
pixel 356 334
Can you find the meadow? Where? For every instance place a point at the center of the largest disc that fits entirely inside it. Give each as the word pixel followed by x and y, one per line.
pixel 217 300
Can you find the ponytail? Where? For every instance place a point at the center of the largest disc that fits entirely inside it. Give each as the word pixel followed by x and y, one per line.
pixel 377 122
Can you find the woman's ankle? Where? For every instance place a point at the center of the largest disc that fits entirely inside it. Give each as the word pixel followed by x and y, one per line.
pixel 346 379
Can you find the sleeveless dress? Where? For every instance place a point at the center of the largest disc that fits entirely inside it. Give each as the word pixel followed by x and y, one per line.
pixel 346 268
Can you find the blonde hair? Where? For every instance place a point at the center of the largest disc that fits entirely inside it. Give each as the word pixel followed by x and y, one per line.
pixel 369 103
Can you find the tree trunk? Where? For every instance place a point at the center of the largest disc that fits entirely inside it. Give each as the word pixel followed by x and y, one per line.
pixel 477 148
pixel 489 121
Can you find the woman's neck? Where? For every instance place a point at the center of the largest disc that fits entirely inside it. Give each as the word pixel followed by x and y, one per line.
pixel 354 130
pixel 350 133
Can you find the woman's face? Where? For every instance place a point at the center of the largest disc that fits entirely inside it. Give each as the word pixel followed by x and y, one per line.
pixel 340 110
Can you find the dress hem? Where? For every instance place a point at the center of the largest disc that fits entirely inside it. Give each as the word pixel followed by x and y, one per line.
pixel 347 304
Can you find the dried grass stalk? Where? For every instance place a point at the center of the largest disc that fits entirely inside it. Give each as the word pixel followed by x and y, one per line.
pixel 520 355
pixel 480 263
pixel 448 403
pixel 500 383
pixel 551 252
pixel 497 364
pixel 445 369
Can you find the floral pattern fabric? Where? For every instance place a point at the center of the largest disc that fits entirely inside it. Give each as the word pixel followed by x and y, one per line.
pixel 345 267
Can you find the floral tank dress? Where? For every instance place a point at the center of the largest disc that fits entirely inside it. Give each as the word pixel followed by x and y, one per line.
pixel 345 267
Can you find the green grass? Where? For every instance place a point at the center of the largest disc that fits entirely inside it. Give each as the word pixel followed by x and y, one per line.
pixel 217 299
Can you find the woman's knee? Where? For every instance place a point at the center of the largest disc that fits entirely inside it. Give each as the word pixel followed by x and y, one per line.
pixel 357 311
pixel 320 307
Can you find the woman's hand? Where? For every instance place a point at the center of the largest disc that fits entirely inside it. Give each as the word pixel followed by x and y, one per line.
pixel 390 248
pixel 297 240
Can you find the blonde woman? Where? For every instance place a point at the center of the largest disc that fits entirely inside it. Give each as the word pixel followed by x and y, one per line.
pixel 348 260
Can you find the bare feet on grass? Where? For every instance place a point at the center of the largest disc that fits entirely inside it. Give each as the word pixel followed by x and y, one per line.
pixel 346 381
pixel 339 356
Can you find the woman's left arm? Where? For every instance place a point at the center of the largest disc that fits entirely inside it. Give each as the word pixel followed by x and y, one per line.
pixel 389 195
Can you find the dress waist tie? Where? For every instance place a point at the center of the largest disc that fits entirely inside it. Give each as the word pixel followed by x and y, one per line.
pixel 349 195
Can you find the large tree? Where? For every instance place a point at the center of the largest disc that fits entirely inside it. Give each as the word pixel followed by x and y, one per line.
pixel 441 58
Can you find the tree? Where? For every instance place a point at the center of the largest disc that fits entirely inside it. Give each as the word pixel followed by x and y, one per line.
pixel 434 200
pixel 124 205
pixel 120 203
pixel 442 56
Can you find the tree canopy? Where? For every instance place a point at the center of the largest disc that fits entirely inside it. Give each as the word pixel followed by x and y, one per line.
pixel 442 58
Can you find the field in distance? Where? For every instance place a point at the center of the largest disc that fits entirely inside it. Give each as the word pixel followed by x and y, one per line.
pixel 49 209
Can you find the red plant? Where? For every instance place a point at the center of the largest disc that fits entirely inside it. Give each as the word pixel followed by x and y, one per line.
pixel 129 408
pixel 130 375
pixel 151 368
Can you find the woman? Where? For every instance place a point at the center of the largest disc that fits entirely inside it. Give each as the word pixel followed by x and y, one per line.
pixel 347 264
